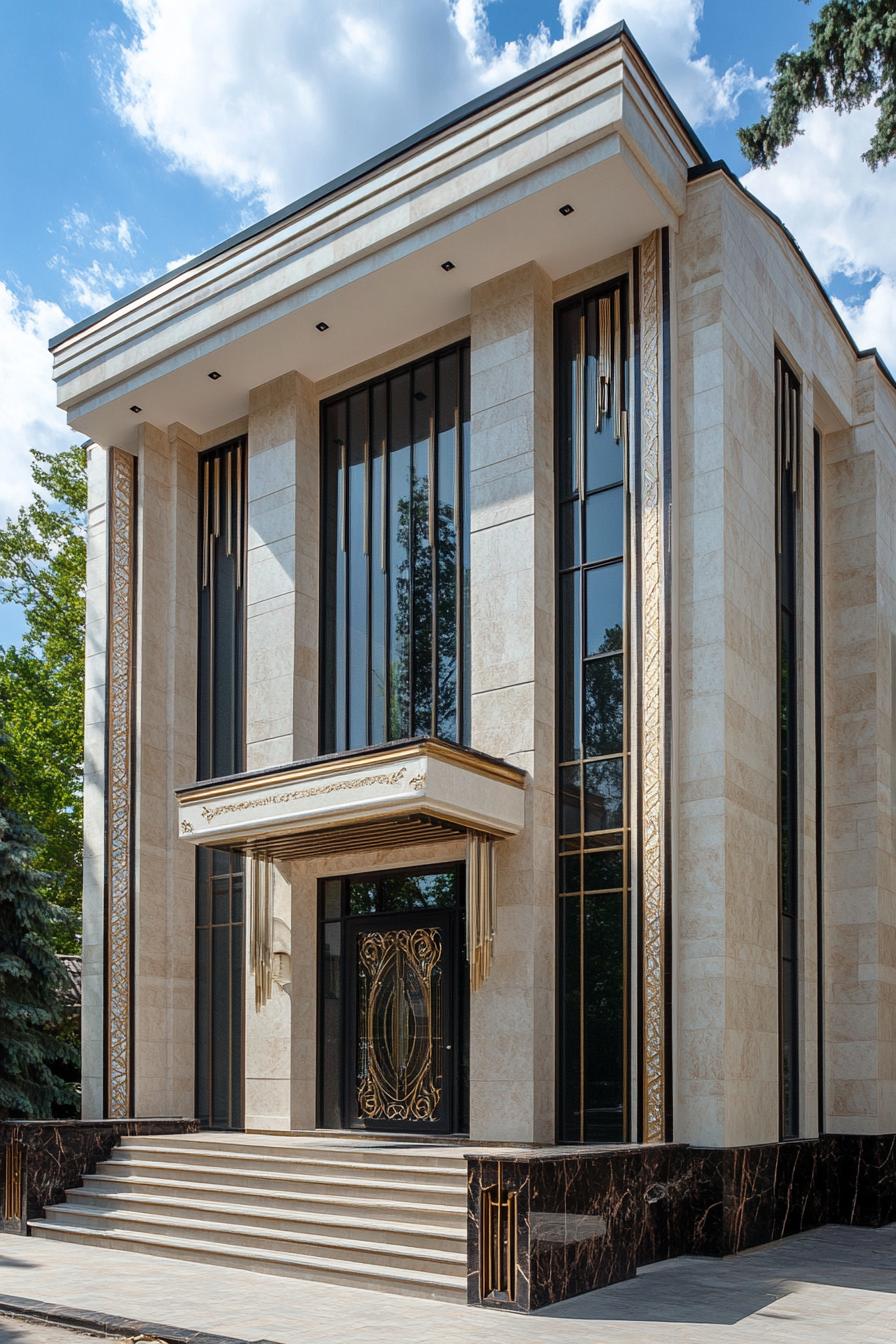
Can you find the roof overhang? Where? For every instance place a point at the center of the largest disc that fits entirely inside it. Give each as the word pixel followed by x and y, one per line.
pixel 481 188
pixel 402 794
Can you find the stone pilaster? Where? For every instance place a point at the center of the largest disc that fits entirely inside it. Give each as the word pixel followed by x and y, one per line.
pixel 512 646
pixel 281 708
pixel 165 757
pixel 93 1045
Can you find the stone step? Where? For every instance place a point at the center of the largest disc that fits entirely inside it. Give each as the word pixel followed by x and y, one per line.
pixel 451 1236
pixel 363 1189
pixel 393 1206
pixel 170 1222
pixel 359 1273
pixel 293 1161
pixel 360 1149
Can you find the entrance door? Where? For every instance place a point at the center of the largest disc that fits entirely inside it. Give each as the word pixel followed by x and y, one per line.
pixel 393 1002
pixel 400 1051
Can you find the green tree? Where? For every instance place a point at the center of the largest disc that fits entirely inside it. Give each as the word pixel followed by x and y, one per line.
pixel 34 1054
pixel 42 570
pixel 850 60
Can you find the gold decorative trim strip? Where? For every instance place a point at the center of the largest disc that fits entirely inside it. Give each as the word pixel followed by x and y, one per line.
pixel 653 950
pixel 438 751
pixel 120 527
pixel 261 911
pixel 481 907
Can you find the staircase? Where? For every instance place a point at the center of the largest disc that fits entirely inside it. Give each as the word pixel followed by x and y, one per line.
pixel 365 1212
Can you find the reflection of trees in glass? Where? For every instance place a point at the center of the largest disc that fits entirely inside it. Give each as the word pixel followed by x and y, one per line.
pixel 412 589
pixel 604 688
pixel 603 970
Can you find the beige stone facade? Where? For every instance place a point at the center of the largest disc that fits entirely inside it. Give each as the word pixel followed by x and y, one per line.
pixel 366 259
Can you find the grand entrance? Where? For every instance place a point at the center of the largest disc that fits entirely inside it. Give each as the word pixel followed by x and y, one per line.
pixel 393 1002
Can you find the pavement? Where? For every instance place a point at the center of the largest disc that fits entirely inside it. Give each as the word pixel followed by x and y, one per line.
pixel 833 1286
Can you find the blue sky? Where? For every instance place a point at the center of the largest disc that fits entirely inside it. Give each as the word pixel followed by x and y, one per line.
pixel 139 132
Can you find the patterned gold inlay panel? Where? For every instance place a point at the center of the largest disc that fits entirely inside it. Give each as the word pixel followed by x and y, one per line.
pixel 400 1024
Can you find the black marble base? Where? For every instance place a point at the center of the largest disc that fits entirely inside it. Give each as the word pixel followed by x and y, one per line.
pixel 592 1217
pixel 44 1158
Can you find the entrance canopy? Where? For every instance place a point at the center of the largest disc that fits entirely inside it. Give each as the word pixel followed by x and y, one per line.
pixel 401 794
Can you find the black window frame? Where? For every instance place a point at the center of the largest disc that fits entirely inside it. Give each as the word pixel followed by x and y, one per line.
pixel 335 732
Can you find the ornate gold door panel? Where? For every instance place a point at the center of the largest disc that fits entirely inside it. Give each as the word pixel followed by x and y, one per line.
pixel 399 1021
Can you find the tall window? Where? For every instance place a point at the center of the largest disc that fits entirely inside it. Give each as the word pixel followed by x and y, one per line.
pixel 593 750
pixel 396 556
pixel 787 462
pixel 221 751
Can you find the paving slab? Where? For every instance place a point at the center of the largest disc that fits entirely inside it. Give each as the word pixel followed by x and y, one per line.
pixel 833 1286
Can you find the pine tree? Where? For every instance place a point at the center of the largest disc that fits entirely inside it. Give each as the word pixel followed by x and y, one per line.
pixel 32 979
pixel 850 61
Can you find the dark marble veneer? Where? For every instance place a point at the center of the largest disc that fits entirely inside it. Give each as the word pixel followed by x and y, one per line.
pixel 55 1155
pixel 586 1218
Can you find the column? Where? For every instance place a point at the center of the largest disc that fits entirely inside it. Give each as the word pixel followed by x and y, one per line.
pixel 512 1025
pixel 93 1010
pixel 165 758
pixel 281 715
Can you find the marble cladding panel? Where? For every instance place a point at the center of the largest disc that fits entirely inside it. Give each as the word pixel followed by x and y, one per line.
pixel 54 1155
pixel 591 1218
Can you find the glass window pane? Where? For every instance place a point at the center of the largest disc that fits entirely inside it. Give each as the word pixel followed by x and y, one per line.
pixel 570 872
pixel 331 1027
pixel 333 899
pixel 416 891
pixel 604 526
pixel 570 791
pixel 604 700
pixel 602 869
pixel 603 795
pixel 399 556
pixel 569 534
pixel 604 1016
pixel 362 898
pixel 377 570
pixel 603 609
pixel 570 744
pixel 446 551
pixel 357 571
pixel 570 989
pixel 421 566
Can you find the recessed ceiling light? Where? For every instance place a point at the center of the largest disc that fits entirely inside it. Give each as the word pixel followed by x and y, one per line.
pixel 419 396
pixel 567 209
pixel 214 375
pixel 447 265
pixel 322 326
pixel 136 409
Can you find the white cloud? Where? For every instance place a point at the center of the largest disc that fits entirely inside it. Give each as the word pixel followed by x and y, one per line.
pixel 268 103
pixel 93 282
pixel 842 215
pixel 115 235
pixel 30 415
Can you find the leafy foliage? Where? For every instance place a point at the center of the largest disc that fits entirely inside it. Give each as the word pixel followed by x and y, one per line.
pixel 42 569
pixel 33 1050
pixel 850 61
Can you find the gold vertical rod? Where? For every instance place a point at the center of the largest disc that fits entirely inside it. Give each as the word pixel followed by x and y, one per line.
pixel 239 515
pixel 205 526
pixel 384 502
pixel 580 410
pixel 217 493
pixel 365 546
pixel 617 367
pixel 779 420
pixel 229 500
pixel 344 470
pixel 431 466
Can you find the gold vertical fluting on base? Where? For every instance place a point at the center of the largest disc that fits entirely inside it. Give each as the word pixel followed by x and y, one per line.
pixel 13 1155
pixel 481 906
pixel 261 908
pixel 653 727
pixel 498 1242
pixel 122 469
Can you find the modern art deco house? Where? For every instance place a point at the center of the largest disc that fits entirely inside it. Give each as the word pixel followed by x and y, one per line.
pixel 490 773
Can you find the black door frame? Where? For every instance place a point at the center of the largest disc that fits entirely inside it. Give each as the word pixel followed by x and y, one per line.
pixel 455 1005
